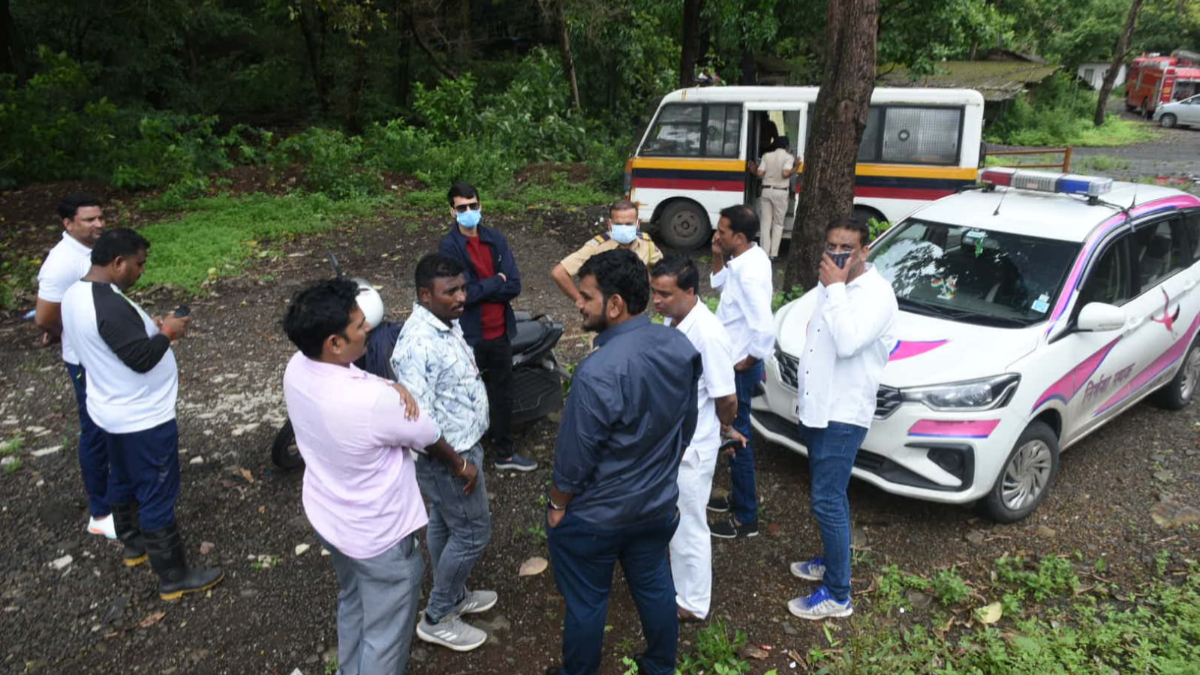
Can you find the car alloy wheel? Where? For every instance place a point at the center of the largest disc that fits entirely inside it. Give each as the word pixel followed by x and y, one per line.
pixel 1168 120
pixel 1191 373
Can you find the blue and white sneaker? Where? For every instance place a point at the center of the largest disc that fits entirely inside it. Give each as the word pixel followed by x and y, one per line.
pixel 819 605
pixel 515 462
pixel 812 570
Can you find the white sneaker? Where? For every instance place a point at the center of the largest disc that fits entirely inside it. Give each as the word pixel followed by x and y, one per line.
pixel 475 602
pixel 811 570
pixel 103 526
pixel 451 633
pixel 819 605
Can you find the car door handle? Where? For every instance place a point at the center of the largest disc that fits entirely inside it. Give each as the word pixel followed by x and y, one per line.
pixel 1132 324
pixel 1189 285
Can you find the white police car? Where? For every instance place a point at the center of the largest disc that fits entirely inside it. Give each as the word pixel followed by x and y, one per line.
pixel 1032 312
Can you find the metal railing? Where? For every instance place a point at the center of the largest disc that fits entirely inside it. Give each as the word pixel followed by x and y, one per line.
pixel 1064 165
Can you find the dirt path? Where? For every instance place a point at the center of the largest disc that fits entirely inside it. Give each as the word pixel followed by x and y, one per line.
pixel 275 612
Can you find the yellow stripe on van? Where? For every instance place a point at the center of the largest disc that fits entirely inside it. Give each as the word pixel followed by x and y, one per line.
pixel 688 163
pixel 952 172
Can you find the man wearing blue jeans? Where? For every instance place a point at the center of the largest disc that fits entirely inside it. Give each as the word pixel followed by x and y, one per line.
pixel 630 415
pixel 434 362
pixel 741 272
pixel 845 350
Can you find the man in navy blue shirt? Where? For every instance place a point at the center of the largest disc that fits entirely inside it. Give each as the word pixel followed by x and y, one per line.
pixel 629 417
pixel 488 323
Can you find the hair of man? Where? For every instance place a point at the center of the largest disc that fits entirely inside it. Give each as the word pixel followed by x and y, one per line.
pixel 742 220
pixel 621 205
pixel 71 204
pixel 620 272
pixel 121 242
pixel 462 191
pixel 434 266
pixel 319 311
pixel 847 223
pixel 687 277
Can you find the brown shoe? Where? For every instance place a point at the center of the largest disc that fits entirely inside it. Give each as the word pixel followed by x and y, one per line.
pixel 686 616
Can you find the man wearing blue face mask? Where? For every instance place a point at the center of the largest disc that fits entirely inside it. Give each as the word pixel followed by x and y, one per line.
pixel 623 232
pixel 487 320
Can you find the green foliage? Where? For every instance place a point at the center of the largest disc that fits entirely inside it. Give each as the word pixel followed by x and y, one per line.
pixel 1060 113
pixel 16 275
pixel 216 235
pixel 1050 577
pixel 716 652
pixel 783 297
pixel 332 162
pixel 13 445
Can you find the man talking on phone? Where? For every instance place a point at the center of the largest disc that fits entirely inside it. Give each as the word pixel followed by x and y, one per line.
pixel 845 350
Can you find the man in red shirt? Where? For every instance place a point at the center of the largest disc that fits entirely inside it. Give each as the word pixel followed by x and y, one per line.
pixel 488 322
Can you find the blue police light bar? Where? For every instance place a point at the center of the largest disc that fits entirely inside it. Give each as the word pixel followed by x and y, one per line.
pixel 1087 186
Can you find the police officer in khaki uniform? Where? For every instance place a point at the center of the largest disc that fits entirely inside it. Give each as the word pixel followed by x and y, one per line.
pixel 623 232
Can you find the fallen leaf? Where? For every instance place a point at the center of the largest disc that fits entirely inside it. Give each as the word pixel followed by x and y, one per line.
pixel 990 614
pixel 246 474
pixel 151 619
pixel 753 652
pixel 535 565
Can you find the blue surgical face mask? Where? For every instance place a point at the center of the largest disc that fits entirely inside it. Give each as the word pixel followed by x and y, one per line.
pixel 469 218
pixel 624 234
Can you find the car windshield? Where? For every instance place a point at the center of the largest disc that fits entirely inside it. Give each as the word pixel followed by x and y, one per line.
pixel 973 275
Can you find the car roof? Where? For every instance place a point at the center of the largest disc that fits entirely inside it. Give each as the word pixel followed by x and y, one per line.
pixel 1038 214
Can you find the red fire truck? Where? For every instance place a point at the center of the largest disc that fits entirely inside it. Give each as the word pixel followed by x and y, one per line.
pixel 1155 79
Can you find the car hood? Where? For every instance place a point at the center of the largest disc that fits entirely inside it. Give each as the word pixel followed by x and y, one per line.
pixel 925 350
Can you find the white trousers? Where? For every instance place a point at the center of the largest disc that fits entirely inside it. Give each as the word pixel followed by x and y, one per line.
pixel 774 206
pixel 691 547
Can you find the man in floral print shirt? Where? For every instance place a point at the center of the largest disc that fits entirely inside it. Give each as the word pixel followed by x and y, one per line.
pixel 433 361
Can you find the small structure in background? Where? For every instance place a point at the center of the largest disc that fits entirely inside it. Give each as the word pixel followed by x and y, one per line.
pixel 1093 74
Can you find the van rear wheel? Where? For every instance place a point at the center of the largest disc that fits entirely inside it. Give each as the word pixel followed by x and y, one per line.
pixel 1026 477
pixel 684 225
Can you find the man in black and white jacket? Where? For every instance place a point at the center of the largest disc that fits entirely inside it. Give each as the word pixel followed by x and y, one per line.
pixel 132 384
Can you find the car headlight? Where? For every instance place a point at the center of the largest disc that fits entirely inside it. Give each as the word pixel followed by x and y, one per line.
pixel 985 394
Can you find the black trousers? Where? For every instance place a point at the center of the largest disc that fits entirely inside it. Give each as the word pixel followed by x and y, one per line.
pixel 494 358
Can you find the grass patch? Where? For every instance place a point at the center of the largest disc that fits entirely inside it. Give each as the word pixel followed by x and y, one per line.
pixel 1060 628
pixel 217 235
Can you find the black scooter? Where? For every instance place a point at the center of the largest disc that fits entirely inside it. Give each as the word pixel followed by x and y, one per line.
pixel 537 376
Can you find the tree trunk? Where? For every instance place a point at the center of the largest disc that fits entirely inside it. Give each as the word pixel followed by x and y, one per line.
pixel 564 42
pixel 837 129
pixel 433 58
pixel 690 53
pixel 310 27
pixel 8 45
pixel 1110 77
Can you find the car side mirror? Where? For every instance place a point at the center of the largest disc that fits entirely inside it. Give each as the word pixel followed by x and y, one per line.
pixel 1100 317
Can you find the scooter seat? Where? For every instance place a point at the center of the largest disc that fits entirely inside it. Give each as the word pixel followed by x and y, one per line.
pixel 529 333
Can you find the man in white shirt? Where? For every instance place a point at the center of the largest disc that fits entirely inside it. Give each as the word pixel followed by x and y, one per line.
pixel 845 350
pixel 674 282
pixel 776 170
pixel 132 385
pixel 741 272
pixel 70 259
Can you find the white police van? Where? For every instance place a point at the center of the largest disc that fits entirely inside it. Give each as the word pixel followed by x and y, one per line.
pixel 1032 312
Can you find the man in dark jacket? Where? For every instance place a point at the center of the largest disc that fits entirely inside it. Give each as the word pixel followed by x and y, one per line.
pixel 487 322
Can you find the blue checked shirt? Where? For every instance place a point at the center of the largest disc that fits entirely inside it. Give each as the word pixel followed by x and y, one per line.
pixel 434 362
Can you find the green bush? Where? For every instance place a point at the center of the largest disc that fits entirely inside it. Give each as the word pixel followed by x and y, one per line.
pixel 1060 112
pixel 334 163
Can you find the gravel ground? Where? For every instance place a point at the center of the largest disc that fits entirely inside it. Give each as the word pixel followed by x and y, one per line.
pixel 275 611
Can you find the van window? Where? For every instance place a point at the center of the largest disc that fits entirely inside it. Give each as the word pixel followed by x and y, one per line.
pixel 912 135
pixel 1159 251
pixel 1108 281
pixel 695 131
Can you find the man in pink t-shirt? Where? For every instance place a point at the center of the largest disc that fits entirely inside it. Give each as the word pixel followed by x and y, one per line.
pixel 354 431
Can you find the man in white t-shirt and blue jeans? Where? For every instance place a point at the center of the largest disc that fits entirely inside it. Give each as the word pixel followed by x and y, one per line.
pixel 83 222
pixel 845 350
pixel 132 385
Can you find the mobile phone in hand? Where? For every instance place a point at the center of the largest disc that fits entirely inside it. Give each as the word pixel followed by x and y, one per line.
pixel 182 311
pixel 730 444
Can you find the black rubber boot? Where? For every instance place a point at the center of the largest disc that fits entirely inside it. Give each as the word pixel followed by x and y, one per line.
pixel 176 579
pixel 125 522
